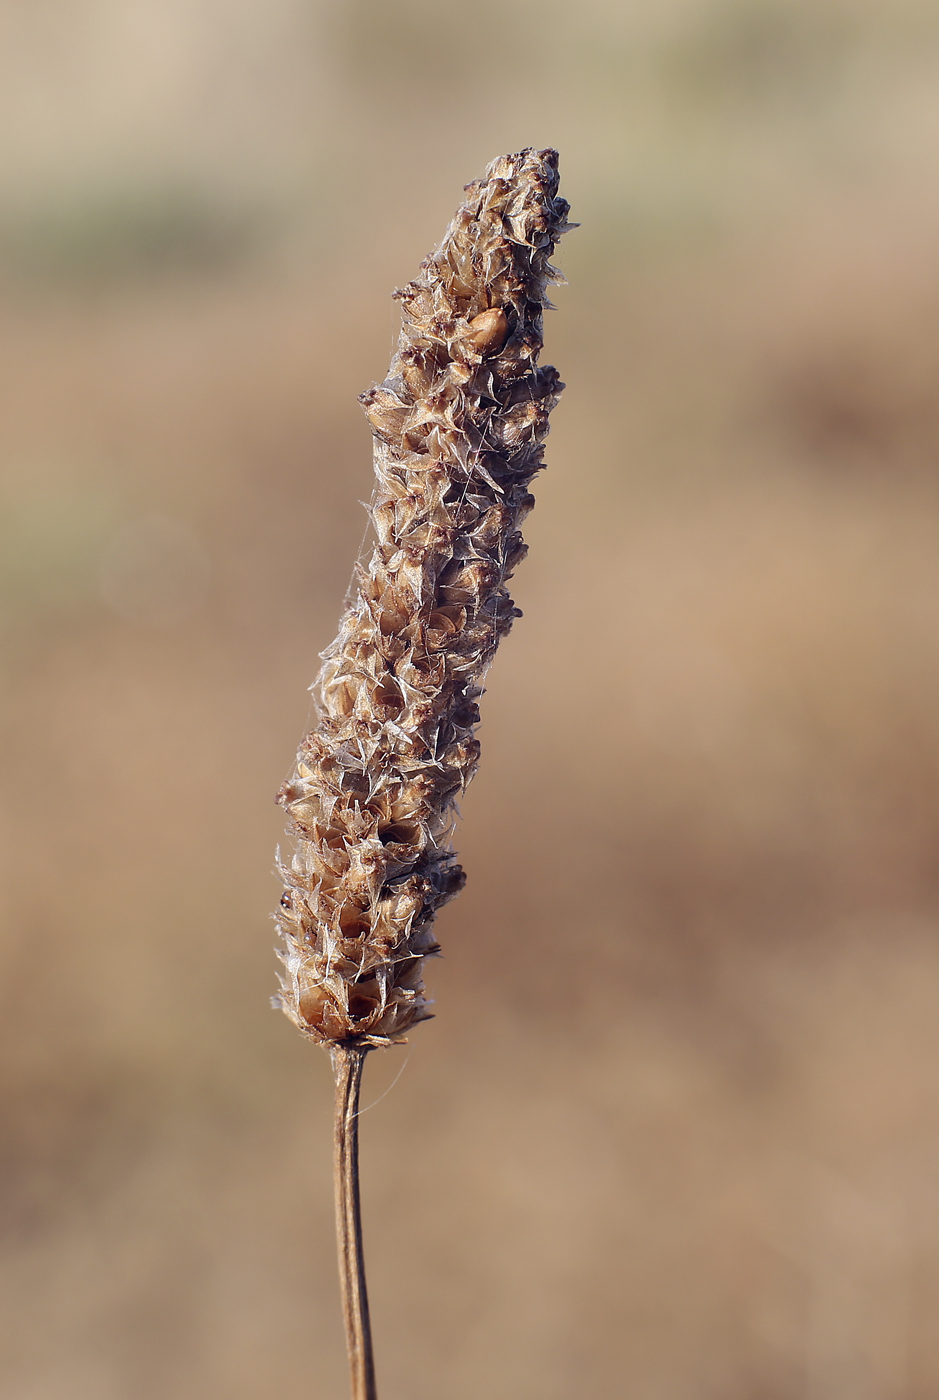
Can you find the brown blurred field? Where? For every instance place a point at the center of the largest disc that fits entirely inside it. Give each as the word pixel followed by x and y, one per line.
pixel 674 1134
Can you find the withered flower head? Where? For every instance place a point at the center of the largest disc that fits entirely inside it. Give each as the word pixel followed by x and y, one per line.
pixel 458 427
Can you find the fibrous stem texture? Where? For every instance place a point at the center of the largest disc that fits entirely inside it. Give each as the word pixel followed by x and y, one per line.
pixel 458 427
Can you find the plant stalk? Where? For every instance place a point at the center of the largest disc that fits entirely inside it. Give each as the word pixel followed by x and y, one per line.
pixel 348 1062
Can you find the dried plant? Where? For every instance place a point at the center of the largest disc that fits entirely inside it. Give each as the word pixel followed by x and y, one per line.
pixel 458 427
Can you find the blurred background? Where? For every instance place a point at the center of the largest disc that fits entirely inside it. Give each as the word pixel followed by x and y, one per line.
pixel 673 1134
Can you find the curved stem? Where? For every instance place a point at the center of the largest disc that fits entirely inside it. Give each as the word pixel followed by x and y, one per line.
pixel 348 1061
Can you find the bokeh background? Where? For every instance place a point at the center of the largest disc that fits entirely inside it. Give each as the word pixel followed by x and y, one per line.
pixel 673 1134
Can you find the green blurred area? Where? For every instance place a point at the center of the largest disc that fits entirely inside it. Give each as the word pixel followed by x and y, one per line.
pixel 673 1134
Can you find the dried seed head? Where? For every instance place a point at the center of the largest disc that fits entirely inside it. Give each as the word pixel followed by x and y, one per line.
pixel 458 427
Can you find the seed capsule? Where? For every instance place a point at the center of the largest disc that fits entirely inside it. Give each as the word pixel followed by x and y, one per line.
pixel 489 331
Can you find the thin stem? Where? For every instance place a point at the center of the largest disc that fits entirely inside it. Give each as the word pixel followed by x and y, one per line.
pixel 348 1061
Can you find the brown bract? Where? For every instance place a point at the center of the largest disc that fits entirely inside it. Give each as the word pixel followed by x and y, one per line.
pixel 458 426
